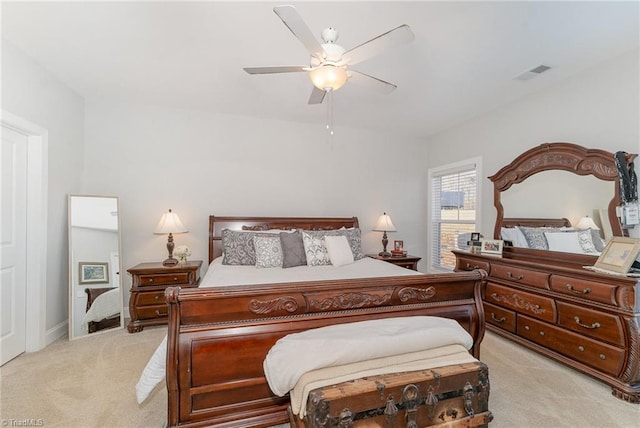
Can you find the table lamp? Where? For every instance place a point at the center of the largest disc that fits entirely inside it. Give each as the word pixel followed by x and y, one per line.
pixel 587 222
pixel 385 225
pixel 170 223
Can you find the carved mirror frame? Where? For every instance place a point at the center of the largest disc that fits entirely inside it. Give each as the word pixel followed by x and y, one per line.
pixel 559 156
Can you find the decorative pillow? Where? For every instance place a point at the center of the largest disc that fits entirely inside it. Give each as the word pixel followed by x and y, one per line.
pixel 292 249
pixel 566 242
pixel 598 242
pixel 314 248
pixel 586 241
pixel 339 250
pixel 238 248
pixel 354 236
pixel 268 251
pixel 535 236
pixel 514 235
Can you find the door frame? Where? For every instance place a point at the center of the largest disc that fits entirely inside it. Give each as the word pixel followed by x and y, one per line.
pixel 37 198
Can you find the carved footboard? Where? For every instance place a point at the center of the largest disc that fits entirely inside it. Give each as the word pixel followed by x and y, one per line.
pixel 218 338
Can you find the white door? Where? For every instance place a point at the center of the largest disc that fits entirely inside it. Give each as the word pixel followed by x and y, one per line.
pixel 13 234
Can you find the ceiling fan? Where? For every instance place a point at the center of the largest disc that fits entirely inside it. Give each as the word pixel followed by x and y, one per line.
pixel 328 68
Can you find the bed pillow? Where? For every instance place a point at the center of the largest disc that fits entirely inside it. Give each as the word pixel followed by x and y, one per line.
pixel 268 251
pixel 292 249
pixel 535 236
pixel 514 235
pixel 566 242
pixel 598 242
pixel 238 248
pixel 314 248
pixel 585 238
pixel 339 250
pixel 354 236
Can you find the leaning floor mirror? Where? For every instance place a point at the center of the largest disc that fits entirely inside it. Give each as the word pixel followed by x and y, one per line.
pixel 95 289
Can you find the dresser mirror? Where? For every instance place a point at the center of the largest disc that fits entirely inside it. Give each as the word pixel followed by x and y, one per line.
pixel 95 287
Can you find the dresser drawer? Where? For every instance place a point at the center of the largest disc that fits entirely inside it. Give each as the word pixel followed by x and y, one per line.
pixel 606 358
pixel 152 312
pixel 519 275
pixel 464 263
pixel 591 323
pixel 500 317
pixel 150 298
pixel 164 279
pixel 520 301
pixel 596 291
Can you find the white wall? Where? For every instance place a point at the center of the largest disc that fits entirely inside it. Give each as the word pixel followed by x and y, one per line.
pixel 31 92
pixel 600 108
pixel 200 163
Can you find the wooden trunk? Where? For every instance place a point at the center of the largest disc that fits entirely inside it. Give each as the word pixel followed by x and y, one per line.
pixel 449 396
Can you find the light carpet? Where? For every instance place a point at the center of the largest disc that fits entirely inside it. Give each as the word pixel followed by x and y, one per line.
pixel 90 383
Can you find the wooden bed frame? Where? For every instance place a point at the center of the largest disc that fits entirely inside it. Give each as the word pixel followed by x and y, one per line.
pixel 219 337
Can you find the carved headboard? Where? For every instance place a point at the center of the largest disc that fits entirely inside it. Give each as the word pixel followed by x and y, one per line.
pixel 217 224
pixel 557 156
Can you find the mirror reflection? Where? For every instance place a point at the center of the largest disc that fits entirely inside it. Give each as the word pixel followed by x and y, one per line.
pixel 570 196
pixel 95 292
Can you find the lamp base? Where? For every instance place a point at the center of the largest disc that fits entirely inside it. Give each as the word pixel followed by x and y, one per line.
pixel 170 262
pixel 384 254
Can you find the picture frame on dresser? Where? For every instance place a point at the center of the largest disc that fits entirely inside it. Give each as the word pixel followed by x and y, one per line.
pixel 491 246
pixel 619 254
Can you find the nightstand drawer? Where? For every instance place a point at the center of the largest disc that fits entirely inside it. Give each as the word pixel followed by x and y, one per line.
pixel 164 279
pixel 471 264
pixel 153 312
pixel 150 299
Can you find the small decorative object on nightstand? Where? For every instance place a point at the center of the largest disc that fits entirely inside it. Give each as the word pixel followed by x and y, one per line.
pixel 408 261
pixel 385 225
pixel 147 305
pixel 170 223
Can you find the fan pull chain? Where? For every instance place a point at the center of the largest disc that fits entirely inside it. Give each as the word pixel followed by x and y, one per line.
pixel 330 111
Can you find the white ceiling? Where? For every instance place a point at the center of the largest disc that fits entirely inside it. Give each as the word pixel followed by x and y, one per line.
pixel 190 54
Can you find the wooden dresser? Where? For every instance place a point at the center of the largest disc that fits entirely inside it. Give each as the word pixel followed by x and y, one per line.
pixel 586 320
pixel 147 305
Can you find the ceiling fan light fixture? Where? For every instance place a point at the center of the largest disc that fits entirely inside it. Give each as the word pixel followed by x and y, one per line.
pixel 328 77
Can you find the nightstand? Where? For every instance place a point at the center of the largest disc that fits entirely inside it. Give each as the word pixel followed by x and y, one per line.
pixel 408 261
pixel 147 305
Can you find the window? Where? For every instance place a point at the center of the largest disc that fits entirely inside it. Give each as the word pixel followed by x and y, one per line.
pixel 454 194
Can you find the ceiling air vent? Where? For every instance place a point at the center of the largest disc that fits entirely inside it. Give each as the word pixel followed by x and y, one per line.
pixel 534 72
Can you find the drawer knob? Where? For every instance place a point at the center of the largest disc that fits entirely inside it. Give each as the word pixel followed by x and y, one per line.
pixel 542 333
pixel 150 279
pixel 526 327
pixel 517 278
pixel 603 357
pixel 592 326
pixel 573 290
pixel 581 348
pixel 496 319
pixel 175 279
pixel 157 297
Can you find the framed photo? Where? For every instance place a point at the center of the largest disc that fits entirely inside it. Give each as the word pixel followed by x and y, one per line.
pixel 619 254
pixel 398 245
pixel 475 236
pixel 491 246
pixel 94 273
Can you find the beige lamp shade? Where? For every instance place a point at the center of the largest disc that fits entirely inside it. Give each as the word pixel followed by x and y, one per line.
pixel 587 222
pixel 384 224
pixel 170 223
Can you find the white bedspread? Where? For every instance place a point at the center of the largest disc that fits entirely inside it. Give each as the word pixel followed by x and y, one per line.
pixel 106 305
pixel 335 345
pixel 224 275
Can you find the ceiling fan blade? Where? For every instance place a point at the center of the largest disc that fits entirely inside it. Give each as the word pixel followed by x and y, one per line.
pixel 294 22
pixel 317 96
pixel 377 45
pixel 371 82
pixel 271 70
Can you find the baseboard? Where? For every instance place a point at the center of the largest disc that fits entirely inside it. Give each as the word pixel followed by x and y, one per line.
pixel 56 332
